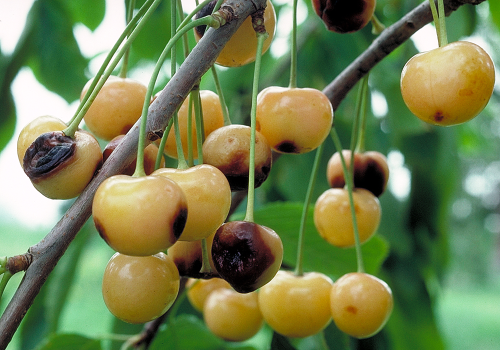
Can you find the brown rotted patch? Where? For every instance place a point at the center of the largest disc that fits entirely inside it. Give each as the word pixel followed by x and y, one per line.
pixel 188 268
pixel 372 178
pixel 351 309
pixel 179 221
pixel 438 117
pixel 100 228
pixel 240 254
pixel 344 16
pixel 48 154
pixel 288 147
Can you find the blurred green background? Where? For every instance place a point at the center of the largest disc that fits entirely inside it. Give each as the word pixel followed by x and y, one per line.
pixel 438 245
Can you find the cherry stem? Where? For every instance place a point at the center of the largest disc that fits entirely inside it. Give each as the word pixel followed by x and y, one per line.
pixel 218 87
pixel 377 26
pixel 439 17
pixel 129 16
pixel 108 66
pixel 350 187
pixel 189 128
pixel 161 146
pixel 3 282
pixel 200 128
pixel 205 259
pixel 261 37
pixel 305 210
pixel 361 104
pixel 293 50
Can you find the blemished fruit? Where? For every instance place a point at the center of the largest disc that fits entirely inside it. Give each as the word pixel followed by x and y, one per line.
pixel 60 167
pixel 228 149
pixel 241 49
pixel 361 304
pixel 35 128
pixel 293 120
pixel 246 254
pixel 213 119
pixel 139 216
pixel 208 198
pixel 231 315
pixel 138 289
pixel 448 85
pixel 198 290
pixel 116 108
pixel 333 220
pixel 345 16
pixel 296 306
pixel 150 154
pixel 187 256
pixel 371 171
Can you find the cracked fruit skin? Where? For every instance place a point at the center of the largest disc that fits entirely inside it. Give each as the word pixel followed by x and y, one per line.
pixel 208 198
pixel 231 315
pixel 139 216
pixel 293 120
pixel 361 304
pixel 60 167
pixel 448 85
pixel 333 220
pixel 138 289
pixel 296 306
pixel 35 128
pixel 116 108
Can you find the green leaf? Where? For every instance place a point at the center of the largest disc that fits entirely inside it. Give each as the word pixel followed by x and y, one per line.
pixel 69 342
pixel 495 12
pixel 284 218
pixel 7 118
pixel 90 12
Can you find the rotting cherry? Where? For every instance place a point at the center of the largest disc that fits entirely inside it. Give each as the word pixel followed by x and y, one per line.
pixel 345 16
pixel 187 256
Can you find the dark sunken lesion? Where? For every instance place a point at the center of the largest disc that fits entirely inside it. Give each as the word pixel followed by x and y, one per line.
pixel 240 254
pixel 287 147
pixel 47 154
pixel 180 221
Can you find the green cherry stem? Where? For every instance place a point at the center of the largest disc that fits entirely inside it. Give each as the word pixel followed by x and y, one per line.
pixel 361 117
pixel 3 282
pixel 218 87
pixel 305 210
pixel 350 187
pixel 129 16
pixel 189 128
pixel 261 37
pixel 293 49
pixel 200 128
pixel 377 26
pixel 161 146
pixel 442 24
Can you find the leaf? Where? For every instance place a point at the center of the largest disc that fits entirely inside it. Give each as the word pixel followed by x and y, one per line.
pixel 69 342
pixel 284 218
pixel 7 118
pixel 90 12
pixel 494 6
pixel 281 342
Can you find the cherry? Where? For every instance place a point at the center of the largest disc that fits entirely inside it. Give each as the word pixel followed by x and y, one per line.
pixel 345 16
pixel 139 215
pixel 296 306
pixel 198 290
pixel 59 166
pixel 116 108
pixel 448 85
pixel 228 149
pixel 371 171
pixel 361 304
pixel 246 254
pixel 293 120
pixel 187 256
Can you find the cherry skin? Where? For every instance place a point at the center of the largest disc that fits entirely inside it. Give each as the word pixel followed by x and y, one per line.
pixel 448 85
pixel 139 289
pixel 246 254
pixel 361 304
pixel 228 149
pixel 139 215
pixel 187 256
pixel 208 198
pixel 117 107
pixel 212 120
pixel 333 220
pixel 241 49
pixel 231 315
pixel 345 16
pixel 371 171
pixel 60 167
pixel 35 128
pixel 293 120
pixel 199 290
pixel 296 306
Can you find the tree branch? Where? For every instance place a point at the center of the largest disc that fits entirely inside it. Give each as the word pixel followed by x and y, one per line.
pixel 47 252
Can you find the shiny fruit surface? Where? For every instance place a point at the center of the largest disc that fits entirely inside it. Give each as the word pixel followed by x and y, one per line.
pixel 333 220
pixel 293 120
pixel 228 149
pixel 139 215
pixel 361 304
pixel 231 315
pixel 345 16
pixel 199 290
pixel 371 171
pixel 60 167
pixel 212 120
pixel 246 254
pixel 139 289
pixel 208 198
pixel 448 85
pixel 241 49
pixel 296 306
pixel 35 128
pixel 117 107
